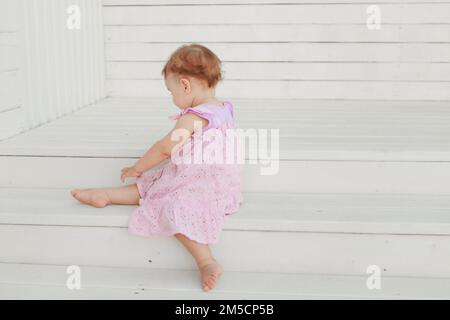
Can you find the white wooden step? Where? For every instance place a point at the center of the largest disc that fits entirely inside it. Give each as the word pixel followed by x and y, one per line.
pixel 325 146
pixel 291 212
pixel 309 129
pixel 304 233
pixel 293 176
pixel 25 281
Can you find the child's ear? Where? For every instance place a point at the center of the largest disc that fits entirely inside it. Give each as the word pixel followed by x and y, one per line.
pixel 186 84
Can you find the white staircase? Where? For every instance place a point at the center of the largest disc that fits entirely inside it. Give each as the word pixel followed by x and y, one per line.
pixel 360 184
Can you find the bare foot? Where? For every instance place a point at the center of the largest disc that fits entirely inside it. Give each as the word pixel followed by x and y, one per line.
pixel 95 197
pixel 210 273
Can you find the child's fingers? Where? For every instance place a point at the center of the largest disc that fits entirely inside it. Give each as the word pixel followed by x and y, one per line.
pixel 126 173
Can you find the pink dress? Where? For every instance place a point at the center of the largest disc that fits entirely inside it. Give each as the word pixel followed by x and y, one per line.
pixel 192 199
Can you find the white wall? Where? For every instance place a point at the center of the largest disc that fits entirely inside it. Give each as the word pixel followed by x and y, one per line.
pixel 10 99
pixel 63 69
pixel 318 49
pixel 47 70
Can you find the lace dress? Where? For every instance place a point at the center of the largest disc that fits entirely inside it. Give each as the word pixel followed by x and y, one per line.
pixel 187 196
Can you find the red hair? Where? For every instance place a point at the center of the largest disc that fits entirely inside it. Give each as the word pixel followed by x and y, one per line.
pixel 196 61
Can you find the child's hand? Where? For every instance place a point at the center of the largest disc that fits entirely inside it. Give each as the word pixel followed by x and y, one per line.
pixel 129 172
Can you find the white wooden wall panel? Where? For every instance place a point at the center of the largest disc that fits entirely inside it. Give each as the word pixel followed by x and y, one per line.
pixel 285 49
pixel 10 98
pixel 9 90
pixel 47 70
pixel 293 52
pixel 277 33
pixel 225 2
pixel 8 15
pixel 389 71
pixel 359 90
pixel 310 13
pixel 10 122
pixel 63 69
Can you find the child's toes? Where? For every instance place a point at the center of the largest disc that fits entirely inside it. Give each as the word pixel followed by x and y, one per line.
pixel 211 279
pixel 210 275
pixel 206 287
pixel 207 284
pixel 80 195
pixel 210 283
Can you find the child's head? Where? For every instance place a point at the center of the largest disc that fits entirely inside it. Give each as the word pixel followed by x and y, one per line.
pixel 192 72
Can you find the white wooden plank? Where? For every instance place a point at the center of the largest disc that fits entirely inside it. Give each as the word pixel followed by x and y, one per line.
pixel 296 71
pixel 347 254
pixel 101 44
pixel 48 282
pixel 69 52
pixel 290 212
pixel 58 69
pixel 8 15
pixel 93 39
pixel 375 132
pixel 304 32
pixel 58 50
pixel 25 35
pixel 78 59
pixel 45 46
pixel 99 39
pixel 8 38
pixel 298 89
pixel 20 281
pixel 209 2
pixel 356 52
pixel 309 175
pixel 147 113
pixel 395 130
pixel 9 90
pixel 89 51
pixel 11 122
pixel 45 292
pixel 277 33
pixel 272 14
pixel 8 57
pixel 34 52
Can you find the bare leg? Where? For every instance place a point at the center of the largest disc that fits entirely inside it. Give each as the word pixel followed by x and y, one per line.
pixel 209 268
pixel 101 197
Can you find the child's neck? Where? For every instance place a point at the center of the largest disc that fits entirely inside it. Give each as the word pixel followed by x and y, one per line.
pixel 208 97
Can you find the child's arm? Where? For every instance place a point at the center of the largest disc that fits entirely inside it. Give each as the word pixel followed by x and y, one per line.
pixel 163 148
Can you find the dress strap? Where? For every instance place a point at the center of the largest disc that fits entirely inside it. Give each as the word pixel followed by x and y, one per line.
pixel 211 113
pixel 230 107
pixel 202 111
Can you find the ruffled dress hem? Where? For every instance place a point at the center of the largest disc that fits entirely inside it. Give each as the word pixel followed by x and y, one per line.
pixel 172 233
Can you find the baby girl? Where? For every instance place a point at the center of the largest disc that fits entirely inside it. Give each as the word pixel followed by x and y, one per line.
pixel 187 200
